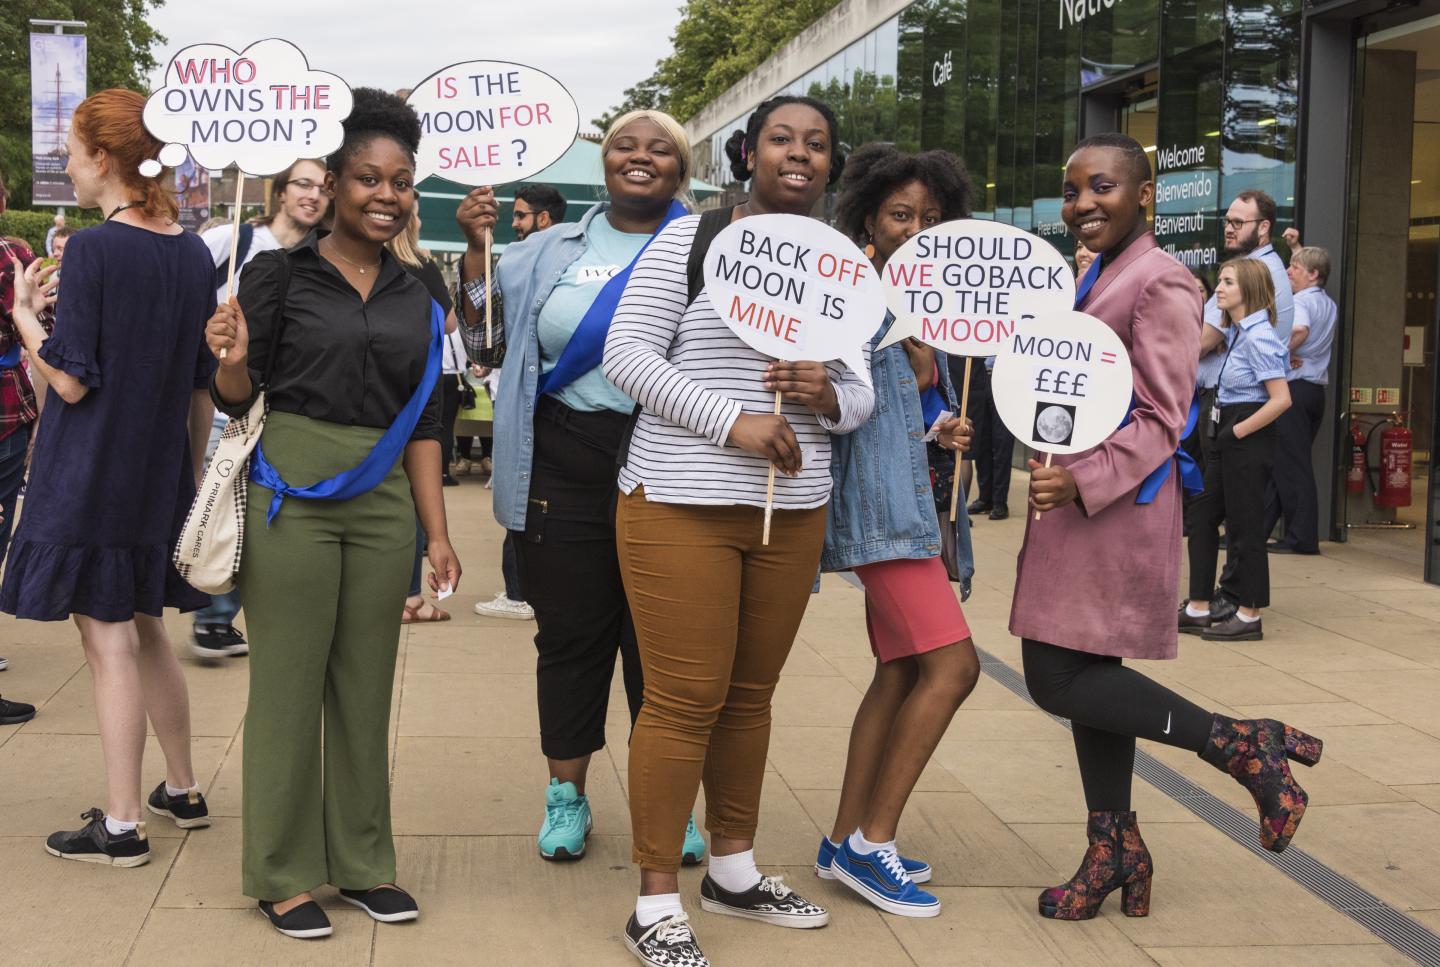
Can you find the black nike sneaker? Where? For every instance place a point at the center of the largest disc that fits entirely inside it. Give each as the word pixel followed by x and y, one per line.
pixel 96 844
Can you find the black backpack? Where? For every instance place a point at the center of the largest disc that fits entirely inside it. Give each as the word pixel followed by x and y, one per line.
pixel 712 223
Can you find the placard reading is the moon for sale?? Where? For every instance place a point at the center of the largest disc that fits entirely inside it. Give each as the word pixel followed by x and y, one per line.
pixel 1062 384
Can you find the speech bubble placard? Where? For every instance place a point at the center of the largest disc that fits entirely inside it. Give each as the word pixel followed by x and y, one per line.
pixel 794 288
pixel 1062 383
pixel 262 108
pixel 491 122
pixel 964 286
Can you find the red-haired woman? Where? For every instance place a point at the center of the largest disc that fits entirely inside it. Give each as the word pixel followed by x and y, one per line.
pixel 114 470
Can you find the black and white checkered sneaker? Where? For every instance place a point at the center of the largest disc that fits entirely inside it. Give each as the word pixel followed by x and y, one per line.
pixel 769 901
pixel 669 942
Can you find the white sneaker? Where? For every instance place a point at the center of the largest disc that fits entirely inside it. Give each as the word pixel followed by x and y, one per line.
pixel 503 607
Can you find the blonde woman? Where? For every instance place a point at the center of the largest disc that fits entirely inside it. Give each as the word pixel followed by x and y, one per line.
pixel 1251 396
pixel 558 428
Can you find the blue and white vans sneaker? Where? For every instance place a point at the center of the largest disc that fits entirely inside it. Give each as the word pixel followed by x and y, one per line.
pixel 880 878
pixel 694 849
pixel 567 822
pixel 919 870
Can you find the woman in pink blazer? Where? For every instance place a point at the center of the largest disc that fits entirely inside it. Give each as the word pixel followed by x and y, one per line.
pixel 1099 571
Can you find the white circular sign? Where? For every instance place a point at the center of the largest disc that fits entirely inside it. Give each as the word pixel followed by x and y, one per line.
pixel 794 288
pixel 1062 383
pixel 491 122
pixel 964 286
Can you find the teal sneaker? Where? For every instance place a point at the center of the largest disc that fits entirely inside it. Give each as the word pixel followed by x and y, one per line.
pixel 567 822
pixel 694 849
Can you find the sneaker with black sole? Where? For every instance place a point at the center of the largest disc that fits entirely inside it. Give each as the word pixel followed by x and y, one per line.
pixel 387 904
pixel 668 942
pixel 213 642
pixel 305 922
pixel 94 843
pixel 13 713
pixel 769 901
pixel 187 810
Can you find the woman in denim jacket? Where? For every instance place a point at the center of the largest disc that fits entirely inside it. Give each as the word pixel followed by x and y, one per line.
pixel 884 525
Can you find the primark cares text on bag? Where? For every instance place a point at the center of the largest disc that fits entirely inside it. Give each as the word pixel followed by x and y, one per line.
pixel 208 552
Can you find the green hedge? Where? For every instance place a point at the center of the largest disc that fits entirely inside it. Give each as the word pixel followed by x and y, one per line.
pixel 32 226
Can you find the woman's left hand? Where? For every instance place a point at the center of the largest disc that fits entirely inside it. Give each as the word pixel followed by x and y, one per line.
pixel 1050 487
pixel 446 566
pixel 36 287
pixel 957 433
pixel 807 383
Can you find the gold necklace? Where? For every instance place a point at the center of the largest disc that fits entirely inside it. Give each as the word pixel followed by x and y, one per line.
pixel 363 268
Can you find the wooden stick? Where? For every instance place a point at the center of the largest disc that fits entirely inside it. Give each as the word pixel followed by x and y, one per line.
pixel 964 408
pixel 1048 457
pixel 489 335
pixel 234 241
pixel 770 488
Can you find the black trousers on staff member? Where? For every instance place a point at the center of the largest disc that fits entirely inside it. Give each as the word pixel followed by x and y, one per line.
pixel 994 443
pixel 1235 479
pixel 1292 491
pixel 571 575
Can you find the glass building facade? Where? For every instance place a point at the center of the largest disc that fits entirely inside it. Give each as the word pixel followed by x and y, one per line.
pixel 1209 86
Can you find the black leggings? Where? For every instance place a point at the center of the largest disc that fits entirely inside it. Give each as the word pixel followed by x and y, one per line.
pixel 1109 706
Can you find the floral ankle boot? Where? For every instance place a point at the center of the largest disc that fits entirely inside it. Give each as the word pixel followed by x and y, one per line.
pixel 1116 860
pixel 1255 752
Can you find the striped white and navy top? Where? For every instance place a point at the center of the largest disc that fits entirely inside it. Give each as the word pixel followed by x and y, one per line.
pixel 694 377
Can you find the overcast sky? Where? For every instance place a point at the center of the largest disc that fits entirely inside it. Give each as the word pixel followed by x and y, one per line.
pixel 596 50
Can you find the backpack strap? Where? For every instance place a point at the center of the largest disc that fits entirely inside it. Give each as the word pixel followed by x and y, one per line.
pixel 242 249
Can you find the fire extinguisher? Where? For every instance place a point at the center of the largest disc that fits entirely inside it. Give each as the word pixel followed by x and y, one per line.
pixel 1355 476
pixel 1394 489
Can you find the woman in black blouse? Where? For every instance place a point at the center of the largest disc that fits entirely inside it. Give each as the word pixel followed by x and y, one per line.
pixel 355 349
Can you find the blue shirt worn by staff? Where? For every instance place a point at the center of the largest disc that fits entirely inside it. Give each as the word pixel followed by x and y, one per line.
pixel 1316 311
pixel 1209 371
pixel 1256 354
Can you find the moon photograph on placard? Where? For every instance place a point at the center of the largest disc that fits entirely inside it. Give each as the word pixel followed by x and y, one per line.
pixel 1054 422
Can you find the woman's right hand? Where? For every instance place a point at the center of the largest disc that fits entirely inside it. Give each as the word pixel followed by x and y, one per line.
pixel 957 433
pixel 227 335
pixel 476 216
pixel 768 436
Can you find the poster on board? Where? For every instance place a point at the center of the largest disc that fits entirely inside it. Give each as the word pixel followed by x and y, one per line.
pixel 57 86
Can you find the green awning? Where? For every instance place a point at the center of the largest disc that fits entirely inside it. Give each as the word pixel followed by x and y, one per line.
pixel 578 175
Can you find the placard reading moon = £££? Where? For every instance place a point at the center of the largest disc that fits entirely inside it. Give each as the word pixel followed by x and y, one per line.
pixel 794 288
pixel 1063 383
pixel 964 286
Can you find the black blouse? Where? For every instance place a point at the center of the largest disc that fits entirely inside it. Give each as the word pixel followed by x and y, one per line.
pixel 342 360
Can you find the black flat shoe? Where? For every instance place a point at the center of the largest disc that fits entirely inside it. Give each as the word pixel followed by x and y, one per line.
pixel 999 513
pixel 1234 628
pixel 1191 625
pixel 388 904
pixel 305 922
pixel 13 713
pixel 979 507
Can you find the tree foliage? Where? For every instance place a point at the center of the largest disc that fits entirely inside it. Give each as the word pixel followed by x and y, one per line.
pixel 716 43
pixel 120 44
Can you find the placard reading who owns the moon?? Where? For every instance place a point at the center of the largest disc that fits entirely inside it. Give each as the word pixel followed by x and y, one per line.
pixel 1062 384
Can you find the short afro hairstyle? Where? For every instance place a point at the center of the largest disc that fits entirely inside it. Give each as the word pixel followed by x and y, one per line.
pixel 875 171
pixel 1135 157
pixel 376 114
pixel 742 144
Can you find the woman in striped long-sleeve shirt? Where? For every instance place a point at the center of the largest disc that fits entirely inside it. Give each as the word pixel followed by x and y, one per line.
pixel 715 609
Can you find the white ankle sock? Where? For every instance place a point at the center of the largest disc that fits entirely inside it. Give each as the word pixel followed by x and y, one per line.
pixel 736 872
pixel 650 910
pixel 1190 610
pixel 118 826
pixel 174 792
pixel 863 846
pixel 1247 620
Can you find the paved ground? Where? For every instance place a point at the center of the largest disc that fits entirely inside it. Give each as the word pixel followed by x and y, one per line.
pixel 1352 653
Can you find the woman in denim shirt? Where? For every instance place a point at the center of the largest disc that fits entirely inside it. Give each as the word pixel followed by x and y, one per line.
pixel 884 526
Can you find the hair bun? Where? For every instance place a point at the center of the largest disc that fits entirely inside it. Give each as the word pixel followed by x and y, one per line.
pixel 735 151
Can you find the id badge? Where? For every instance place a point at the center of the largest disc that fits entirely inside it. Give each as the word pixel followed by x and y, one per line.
pixel 1212 429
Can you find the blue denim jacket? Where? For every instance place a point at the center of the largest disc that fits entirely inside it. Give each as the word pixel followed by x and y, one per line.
pixel 527 273
pixel 882 507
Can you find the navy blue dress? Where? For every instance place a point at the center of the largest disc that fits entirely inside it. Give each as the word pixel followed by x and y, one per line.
pixel 111 479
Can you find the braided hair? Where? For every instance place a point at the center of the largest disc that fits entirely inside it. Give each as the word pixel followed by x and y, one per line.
pixel 742 144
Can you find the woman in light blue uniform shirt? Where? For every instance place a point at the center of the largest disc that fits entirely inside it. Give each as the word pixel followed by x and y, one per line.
pixel 1251 395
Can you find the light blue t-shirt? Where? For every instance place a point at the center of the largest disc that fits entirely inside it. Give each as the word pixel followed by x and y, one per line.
pixel 1315 310
pixel 607 252
pixel 1256 354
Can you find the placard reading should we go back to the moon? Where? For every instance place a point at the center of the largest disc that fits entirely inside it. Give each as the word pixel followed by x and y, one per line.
pixel 1062 384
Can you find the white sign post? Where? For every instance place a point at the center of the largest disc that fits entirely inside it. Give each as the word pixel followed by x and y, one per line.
pixel 964 286
pixel 491 122
pixel 1063 383
pixel 262 108
pixel 794 288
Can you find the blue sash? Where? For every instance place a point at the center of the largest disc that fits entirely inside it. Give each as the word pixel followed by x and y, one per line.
pixel 582 353
pixel 1190 477
pixel 12 358
pixel 366 475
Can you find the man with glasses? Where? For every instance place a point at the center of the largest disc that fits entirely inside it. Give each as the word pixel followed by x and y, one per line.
pixel 1248 222
pixel 537 207
pixel 297 205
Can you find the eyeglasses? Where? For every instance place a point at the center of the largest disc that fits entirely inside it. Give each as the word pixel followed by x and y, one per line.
pixel 305 185
pixel 521 213
pixel 1237 223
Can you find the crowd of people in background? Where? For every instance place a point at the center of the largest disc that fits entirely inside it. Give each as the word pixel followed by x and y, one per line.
pixel 633 447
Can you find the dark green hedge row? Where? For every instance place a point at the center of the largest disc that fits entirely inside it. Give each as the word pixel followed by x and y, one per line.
pixel 32 226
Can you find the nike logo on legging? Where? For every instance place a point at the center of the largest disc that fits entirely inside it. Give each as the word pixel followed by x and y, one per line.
pixel 1167 723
